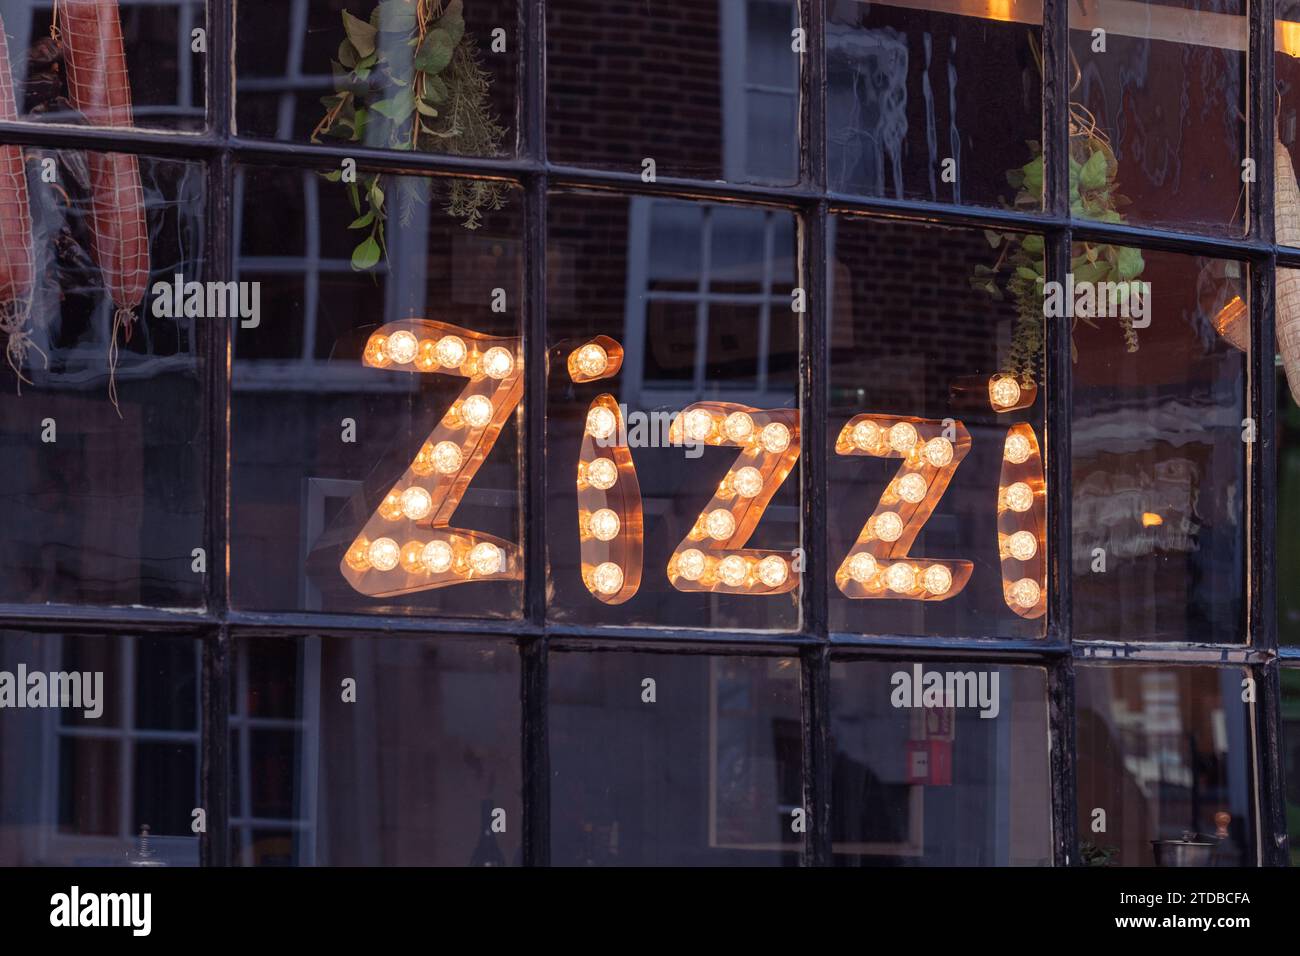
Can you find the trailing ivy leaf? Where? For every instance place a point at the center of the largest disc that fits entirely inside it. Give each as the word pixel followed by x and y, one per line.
pixel 435 52
pixel 334 175
pixel 453 20
pixel 1129 263
pixel 361 34
pixel 354 195
pixel 361 121
pixel 365 255
pixel 425 109
pixel 348 54
pixel 397 107
pixel 1026 273
pixel 994 239
pixel 363 220
pixel 376 194
pixel 1093 174
pixel 435 90
pixel 1032 244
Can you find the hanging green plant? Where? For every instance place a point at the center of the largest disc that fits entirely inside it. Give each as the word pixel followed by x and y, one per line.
pixel 1018 273
pixel 409 78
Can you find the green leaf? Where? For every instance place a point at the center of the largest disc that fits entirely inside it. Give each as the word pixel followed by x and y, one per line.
pixel 1093 174
pixel 425 109
pixel 435 91
pixel 347 54
pixel 435 52
pixel 362 221
pixel 355 195
pixel 397 107
pixel 1032 244
pixel 453 20
pixel 334 175
pixel 361 34
pixel 365 255
pixel 994 239
pixel 1026 273
pixel 1129 263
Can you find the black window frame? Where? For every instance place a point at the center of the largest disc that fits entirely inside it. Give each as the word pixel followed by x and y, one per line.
pixel 218 625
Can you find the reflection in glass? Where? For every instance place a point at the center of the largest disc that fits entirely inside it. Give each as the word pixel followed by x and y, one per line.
pixel 438 79
pixel 111 779
pixel 323 430
pixel 707 89
pixel 422 769
pixel 1291 755
pixel 1287 546
pixel 660 760
pixel 925 783
pixel 1159 456
pixel 1158 108
pixel 910 89
pixel 101 397
pixel 1164 755
pixel 699 298
pixel 925 322
pixel 1286 62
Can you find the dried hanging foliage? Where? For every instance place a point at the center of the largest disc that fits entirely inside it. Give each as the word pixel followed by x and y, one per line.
pixel 90 32
pixel 16 257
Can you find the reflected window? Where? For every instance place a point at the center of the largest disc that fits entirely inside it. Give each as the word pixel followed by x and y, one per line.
pixel 1164 774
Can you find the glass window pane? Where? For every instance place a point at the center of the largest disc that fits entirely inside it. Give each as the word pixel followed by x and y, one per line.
pixel 1164 771
pixel 1286 62
pixel 672 760
pixel 704 334
pixel 94 779
pixel 1290 751
pixel 1160 103
pixel 421 768
pixel 921 781
pixel 330 431
pixel 154 77
pixel 707 90
pixel 105 439
pixel 338 72
pixel 1159 442
pixel 1287 545
pixel 936 425
pixel 910 93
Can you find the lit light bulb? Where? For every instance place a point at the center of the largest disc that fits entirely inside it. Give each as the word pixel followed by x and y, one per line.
pixel 376 352
pixel 866 435
pixel 1017 449
pixel 773 571
pixel 437 556
pixel 937 579
pixel 738 426
pixel 603 525
pixel 733 570
pixel 486 558
pixel 391 507
pixel 477 411
pixel 446 457
pixel 601 422
pixel 1022 545
pixel 902 437
pixel 358 556
pixel 938 452
pixel 888 526
pixel 423 464
pixel 591 360
pixel 416 503
pixel 775 437
pixel 720 524
pixel 911 487
pixel 747 481
pixel 403 347
pixel 1004 392
pixel 413 557
pixel 498 362
pixel 602 473
pixel 1019 496
pixel 607 578
pixel 691 564
pixel 900 577
pixel 451 351
pixel 862 567
pixel 427 359
pixel 384 554
pixel 1025 592
pixel 697 424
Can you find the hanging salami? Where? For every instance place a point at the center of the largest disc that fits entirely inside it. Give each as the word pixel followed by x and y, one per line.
pixel 91 32
pixel 15 232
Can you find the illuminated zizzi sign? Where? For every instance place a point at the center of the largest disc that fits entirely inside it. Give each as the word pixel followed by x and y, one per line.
pixel 409 544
